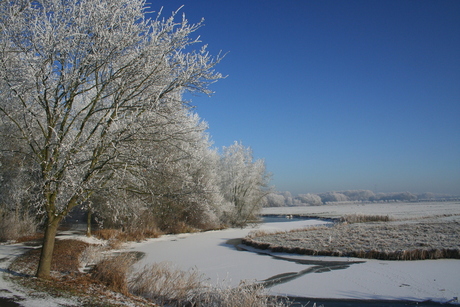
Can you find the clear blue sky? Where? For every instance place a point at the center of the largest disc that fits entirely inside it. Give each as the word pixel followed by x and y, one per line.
pixel 337 95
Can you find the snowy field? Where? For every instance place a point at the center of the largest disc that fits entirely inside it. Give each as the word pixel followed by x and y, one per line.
pixel 214 254
pixel 400 211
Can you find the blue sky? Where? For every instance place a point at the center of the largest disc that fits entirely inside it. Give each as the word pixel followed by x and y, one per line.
pixel 337 95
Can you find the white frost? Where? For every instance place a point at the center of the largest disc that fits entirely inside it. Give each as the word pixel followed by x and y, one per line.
pixel 209 252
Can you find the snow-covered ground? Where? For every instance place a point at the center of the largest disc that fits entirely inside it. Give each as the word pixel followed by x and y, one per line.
pixel 24 297
pixel 396 210
pixel 214 255
pixel 10 291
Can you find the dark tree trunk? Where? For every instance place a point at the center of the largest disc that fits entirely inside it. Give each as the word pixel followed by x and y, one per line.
pixel 44 265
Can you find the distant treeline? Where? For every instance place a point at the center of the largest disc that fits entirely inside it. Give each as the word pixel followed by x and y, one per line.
pixel 284 199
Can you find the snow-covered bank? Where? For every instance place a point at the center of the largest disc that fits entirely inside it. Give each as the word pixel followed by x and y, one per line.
pixel 11 292
pixel 214 254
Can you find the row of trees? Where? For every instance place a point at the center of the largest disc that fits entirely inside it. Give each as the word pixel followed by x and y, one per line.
pixel 281 199
pixel 92 114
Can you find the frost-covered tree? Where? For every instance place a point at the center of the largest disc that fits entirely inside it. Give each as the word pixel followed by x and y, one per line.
pixel 275 200
pixel 427 196
pixel 176 176
pixel 18 215
pixel 359 195
pixel 333 197
pixel 290 201
pixel 310 199
pixel 80 80
pixel 183 177
pixel 394 196
pixel 244 183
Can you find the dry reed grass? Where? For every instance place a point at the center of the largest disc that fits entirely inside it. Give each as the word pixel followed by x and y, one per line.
pixel 246 294
pixel 117 237
pixel 363 218
pixel 106 234
pixel 113 272
pixel 164 284
pixel 92 255
pixel 179 227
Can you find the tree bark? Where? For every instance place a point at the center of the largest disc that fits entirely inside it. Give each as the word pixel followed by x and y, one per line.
pixel 88 222
pixel 44 265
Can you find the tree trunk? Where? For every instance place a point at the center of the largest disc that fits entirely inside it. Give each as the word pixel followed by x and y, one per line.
pixel 44 265
pixel 88 222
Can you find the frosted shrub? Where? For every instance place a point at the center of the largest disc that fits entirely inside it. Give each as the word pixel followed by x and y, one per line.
pixel 113 271
pixel 362 218
pixel 92 254
pixel 164 284
pixel 246 294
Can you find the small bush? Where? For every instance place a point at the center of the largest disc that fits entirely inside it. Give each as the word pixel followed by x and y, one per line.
pixel 130 235
pixel 113 272
pixel 140 234
pixel 179 227
pixel 246 294
pixel 164 284
pixel 106 234
pixel 92 255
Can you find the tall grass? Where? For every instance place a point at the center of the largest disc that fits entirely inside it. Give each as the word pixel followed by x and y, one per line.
pixel 249 295
pixel 116 237
pixel 113 272
pixel 164 284
pixel 130 235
